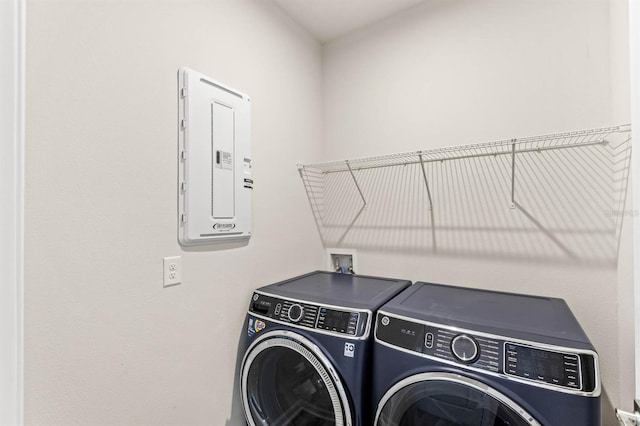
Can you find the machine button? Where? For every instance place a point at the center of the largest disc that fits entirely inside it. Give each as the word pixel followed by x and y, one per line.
pixel 278 309
pixel 428 340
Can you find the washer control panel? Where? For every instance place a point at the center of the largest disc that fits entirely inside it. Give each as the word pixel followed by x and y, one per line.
pixel 530 362
pixel 310 315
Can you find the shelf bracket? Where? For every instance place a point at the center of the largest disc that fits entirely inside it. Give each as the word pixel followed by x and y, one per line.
pixel 313 202
pixel 356 182
pixel 513 175
pixel 433 221
pixel 426 182
pixel 364 204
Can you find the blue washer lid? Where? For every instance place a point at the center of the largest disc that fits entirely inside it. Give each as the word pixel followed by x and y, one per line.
pixel 331 288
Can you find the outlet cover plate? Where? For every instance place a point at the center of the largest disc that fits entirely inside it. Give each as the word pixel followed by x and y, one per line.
pixel 172 267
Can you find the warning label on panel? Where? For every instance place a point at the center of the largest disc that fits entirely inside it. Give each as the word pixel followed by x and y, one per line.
pixel 349 349
pixel 226 160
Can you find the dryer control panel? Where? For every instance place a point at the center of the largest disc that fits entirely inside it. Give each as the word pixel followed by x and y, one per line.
pixel 329 319
pixel 530 362
pixel 441 342
pixel 526 361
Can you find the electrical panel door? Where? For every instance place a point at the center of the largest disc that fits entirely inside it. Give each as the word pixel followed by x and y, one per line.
pixel 214 161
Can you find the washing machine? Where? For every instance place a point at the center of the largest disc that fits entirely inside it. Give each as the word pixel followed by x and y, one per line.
pixel 446 356
pixel 308 350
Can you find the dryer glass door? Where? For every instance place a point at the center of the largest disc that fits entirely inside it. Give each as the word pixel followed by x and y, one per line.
pixel 442 399
pixel 285 383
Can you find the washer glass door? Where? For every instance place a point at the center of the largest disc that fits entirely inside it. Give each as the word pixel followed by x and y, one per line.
pixel 443 399
pixel 286 383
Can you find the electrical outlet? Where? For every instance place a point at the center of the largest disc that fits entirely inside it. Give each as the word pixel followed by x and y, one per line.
pixel 342 260
pixel 172 270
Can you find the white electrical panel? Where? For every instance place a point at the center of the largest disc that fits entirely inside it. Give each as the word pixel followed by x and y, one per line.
pixel 214 157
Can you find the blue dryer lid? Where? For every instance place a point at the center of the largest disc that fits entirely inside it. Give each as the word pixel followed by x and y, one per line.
pixel 331 288
pixel 513 315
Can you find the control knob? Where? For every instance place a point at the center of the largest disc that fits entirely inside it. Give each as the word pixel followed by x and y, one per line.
pixel 465 348
pixel 295 312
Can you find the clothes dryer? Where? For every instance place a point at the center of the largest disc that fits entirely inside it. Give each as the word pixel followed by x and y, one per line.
pixel 453 356
pixel 308 350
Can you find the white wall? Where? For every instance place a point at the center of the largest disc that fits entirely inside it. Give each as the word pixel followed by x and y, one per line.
pixel 11 211
pixel 456 72
pixel 105 342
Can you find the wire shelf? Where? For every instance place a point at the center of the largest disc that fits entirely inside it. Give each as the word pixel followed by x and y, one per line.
pixel 554 196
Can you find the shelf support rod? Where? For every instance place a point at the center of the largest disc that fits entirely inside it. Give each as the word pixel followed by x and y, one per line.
pixel 312 201
pixel 356 182
pixel 364 204
pixel 513 175
pixel 426 182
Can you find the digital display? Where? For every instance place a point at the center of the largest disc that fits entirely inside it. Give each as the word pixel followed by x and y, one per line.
pixel 551 367
pixel 339 321
pixel 336 319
